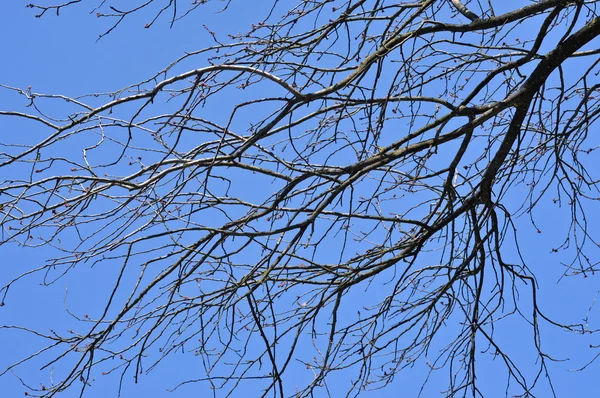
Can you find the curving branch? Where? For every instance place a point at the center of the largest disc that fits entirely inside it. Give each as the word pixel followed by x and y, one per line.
pixel 460 7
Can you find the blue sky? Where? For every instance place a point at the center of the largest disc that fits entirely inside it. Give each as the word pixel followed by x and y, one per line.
pixel 62 55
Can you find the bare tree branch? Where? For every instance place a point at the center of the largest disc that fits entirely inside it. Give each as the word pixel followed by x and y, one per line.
pixel 332 199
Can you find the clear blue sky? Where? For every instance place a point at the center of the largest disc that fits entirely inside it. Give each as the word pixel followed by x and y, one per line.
pixel 61 55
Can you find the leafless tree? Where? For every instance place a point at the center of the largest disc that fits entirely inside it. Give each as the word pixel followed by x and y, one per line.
pixel 354 213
